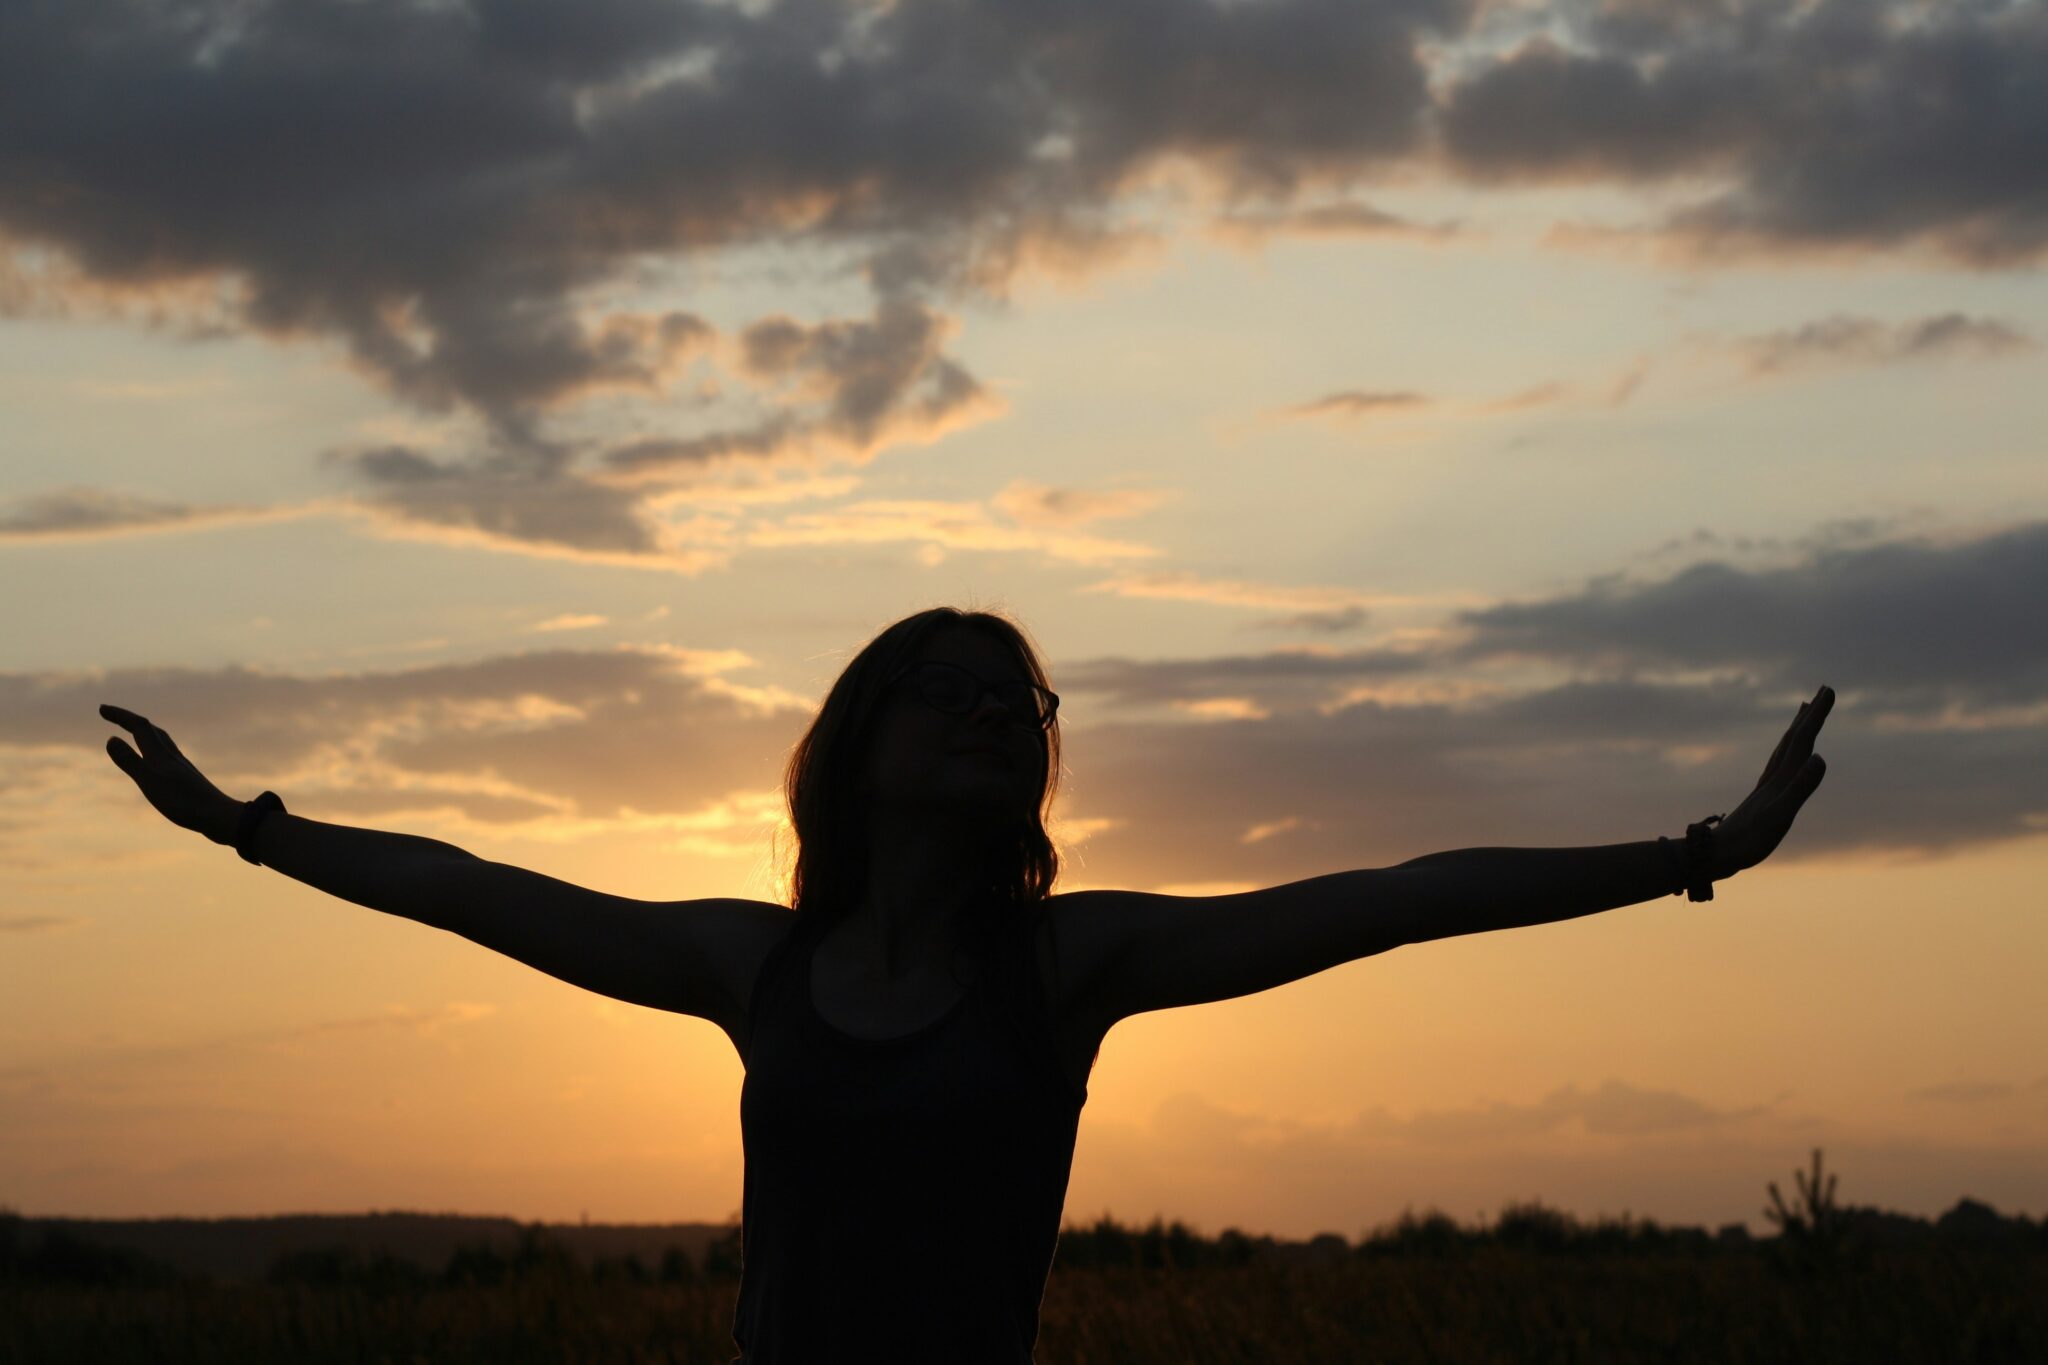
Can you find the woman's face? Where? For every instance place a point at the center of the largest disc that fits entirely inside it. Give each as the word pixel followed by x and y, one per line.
pixel 986 760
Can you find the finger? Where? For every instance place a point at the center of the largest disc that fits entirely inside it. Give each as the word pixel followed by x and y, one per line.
pixel 148 738
pixel 125 758
pixel 1809 776
pixel 123 717
pixel 1784 743
pixel 1817 713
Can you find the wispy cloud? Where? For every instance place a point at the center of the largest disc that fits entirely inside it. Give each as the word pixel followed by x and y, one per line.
pixel 1037 504
pixel 1356 402
pixel 570 621
pixel 939 528
pixel 82 513
pixel 1848 340
pixel 1181 586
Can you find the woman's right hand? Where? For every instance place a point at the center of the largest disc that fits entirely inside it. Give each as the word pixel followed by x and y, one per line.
pixel 179 791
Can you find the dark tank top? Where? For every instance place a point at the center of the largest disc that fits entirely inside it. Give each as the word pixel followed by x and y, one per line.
pixel 902 1196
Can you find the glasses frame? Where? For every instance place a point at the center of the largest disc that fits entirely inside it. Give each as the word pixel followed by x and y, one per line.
pixel 983 688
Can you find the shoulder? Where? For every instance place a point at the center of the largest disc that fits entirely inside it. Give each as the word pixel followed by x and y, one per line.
pixel 738 936
pixel 1078 937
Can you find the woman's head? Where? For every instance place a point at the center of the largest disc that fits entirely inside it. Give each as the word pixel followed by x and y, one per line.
pixel 891 738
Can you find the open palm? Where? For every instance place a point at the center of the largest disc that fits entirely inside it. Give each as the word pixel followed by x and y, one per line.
pixel 1750 831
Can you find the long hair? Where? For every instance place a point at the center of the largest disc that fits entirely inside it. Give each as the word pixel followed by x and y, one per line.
pixel 822 782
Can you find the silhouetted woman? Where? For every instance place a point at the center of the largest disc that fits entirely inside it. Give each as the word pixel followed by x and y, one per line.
pixel 918 1026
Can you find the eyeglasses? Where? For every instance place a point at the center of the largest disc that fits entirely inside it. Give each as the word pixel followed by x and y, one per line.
pixel 954 690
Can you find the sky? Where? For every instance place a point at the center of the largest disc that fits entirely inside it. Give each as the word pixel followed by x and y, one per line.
pixel 1404 425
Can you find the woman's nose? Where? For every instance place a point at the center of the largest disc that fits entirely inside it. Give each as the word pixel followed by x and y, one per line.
pixel 989 706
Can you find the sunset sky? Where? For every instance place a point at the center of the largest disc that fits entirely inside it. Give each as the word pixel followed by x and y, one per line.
pixel 1405 425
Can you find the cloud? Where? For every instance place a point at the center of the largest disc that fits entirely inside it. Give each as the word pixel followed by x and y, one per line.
pixel 1962 1092
pixel 1182 586
pixel 458 194
pixel 1249 227
pixel 1031 503
pixel 468 199
pixel 872 383
pixel 1527 723
pixel 1861 340
pixel 1844 125
pixel 1535 396
pixel 942 527
pixel 81 513
pixel 1682 683
pixel 1352 402
pixel 36 924
pixel 1914 617
pixel 1331 621
pixel 551 744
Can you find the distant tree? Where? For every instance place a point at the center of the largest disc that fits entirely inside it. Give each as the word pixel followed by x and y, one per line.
pixel 535 1255
pixel 723 1257
pixel 1234 1248
pixel 337 1266
pixel 1533 1227
pixel 626 1269
pixel 1432 1233
pixel 62 1257
pixel 676 1267
pixel 1815 1235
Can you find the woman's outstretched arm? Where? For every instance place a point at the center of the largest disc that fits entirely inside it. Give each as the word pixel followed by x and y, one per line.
pixel 692 957
pixel 1134 951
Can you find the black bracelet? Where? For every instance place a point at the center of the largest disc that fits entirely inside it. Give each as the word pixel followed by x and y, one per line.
pixel 1671 848
pixel 252 815
pixel 1699 852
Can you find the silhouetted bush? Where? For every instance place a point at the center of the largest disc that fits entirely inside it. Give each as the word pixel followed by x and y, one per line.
pixel 722 1258
pixel 345 1266
pixel 1433 1233
pixel 1532 1227
pixel 60 1257
pixel 626 1269
pixel 536 1255
pixel 676 1267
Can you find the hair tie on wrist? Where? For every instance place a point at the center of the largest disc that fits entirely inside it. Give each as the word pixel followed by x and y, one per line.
pixel 1699 852
pixel 251 816
pixel 1693 868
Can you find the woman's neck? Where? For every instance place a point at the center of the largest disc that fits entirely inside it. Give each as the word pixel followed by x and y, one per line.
pixel 923 885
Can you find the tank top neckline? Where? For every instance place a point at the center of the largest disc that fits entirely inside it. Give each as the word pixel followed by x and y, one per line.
pixel 811 1006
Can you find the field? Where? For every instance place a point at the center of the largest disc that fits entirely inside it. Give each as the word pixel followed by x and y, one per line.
pixel 1512 1306
pixel 1836 1284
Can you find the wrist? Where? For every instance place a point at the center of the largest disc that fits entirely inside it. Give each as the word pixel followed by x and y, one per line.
pixel 219 824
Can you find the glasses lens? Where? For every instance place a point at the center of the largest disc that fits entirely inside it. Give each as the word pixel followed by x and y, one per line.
pixel 946 687
pixel 1024 701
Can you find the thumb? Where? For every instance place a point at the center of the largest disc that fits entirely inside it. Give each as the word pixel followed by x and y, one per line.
pixel 1811 774
pixel 124 757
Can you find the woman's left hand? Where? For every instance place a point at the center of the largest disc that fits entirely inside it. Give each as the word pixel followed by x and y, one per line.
pixel 1746 836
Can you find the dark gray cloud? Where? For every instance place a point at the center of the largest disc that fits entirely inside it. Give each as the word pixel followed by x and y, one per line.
pixel 1679 690
pixel 1842 123
pixel 449 188
pixel 1920 619
pixel 444 186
